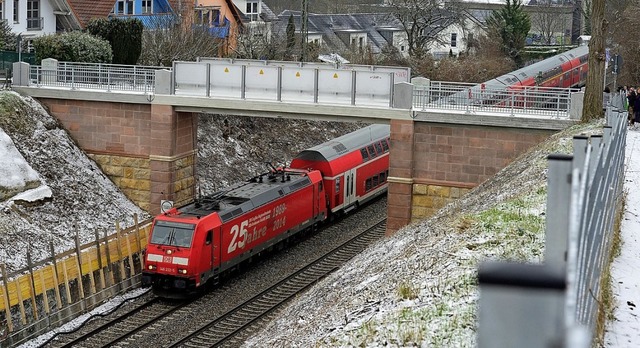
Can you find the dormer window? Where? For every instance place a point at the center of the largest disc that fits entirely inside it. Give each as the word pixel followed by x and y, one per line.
pixel 252 10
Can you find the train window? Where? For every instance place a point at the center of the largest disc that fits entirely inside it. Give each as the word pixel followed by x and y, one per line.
pixel 375 181
pixel 385 145
pixel 320 186
pixel 383 177
pixel 209 237
pixel 364 153
pixel 367 185
pixel 172 233
pixel 337 185
pixel 372 151
pixel 379 149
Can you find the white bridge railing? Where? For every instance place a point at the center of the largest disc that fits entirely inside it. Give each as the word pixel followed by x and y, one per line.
pixel 356 85
pixel 480 98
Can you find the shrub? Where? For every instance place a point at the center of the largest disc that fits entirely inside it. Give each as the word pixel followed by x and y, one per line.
pixel 74 46
pixel 124 35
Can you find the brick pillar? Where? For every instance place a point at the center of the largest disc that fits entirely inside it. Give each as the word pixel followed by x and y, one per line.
pixel 400 175
pixel 171 156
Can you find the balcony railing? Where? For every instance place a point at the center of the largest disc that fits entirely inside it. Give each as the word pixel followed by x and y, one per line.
pixel 35 23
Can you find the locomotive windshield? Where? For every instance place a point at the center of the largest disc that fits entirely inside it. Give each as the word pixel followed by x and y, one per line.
pixel 172 233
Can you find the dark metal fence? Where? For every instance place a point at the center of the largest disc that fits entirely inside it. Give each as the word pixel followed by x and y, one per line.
pixel 556 304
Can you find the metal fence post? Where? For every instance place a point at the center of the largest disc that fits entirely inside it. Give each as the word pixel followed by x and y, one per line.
pixel 521 305
pixel 558 205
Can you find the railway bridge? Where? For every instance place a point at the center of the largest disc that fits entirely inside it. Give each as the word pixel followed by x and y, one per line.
pixel 140 123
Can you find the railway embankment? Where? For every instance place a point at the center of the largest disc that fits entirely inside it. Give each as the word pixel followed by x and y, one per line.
pixel 419 287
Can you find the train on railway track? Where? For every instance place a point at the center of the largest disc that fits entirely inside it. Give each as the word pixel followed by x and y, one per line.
pixel 195 244
pixel 565 70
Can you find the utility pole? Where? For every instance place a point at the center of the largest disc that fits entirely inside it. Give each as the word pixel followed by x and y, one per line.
pixel 304 29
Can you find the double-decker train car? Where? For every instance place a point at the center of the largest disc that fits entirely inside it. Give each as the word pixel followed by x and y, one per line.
pixel 355 166
pixel 564 70
pixel 193 245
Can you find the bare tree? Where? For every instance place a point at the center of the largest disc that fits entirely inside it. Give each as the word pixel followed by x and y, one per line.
pixel 165 41
pixel 549 19
pixel 624 16
pixel 259 41
pixel 597 57
pixel 423 20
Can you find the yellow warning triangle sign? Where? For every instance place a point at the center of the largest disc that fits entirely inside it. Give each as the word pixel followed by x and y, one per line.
pixel 297 74
pixel 261 72
pixel 226 69
pixel 335 75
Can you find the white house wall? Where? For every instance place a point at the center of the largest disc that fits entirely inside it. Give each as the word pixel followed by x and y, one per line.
pixel 20 27
pixel 401 43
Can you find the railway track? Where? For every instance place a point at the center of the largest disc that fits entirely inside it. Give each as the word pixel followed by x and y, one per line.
pixel 228 329
pixel 121 330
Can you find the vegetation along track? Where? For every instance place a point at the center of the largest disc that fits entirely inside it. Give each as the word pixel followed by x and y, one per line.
pixel 228 329
pixel 123 328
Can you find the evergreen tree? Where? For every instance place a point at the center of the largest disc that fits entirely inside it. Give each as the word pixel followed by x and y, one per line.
pixel 511 25
pixel 124 36
pixel 8 39
pixel 291 36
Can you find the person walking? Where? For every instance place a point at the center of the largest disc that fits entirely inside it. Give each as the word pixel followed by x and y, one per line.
pixel 631 99
pixel 606 98
pixel 636 109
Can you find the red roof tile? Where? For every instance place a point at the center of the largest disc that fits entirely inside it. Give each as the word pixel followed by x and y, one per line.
pixel 84 10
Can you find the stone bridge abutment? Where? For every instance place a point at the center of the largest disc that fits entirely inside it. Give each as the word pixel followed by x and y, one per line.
pixel 437 158
pixel 148 150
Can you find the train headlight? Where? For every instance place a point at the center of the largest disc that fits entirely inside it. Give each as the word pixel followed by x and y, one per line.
pixel 182 271
pixel 169 251
pixel 151 267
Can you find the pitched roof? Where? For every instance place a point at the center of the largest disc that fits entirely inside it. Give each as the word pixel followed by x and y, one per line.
pixel 84 10
pixel 331 26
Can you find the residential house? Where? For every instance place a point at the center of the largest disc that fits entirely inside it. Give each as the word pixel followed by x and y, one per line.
pixel 340 33
pixel 222 19
pixel 257 18
pixel 30 18
pixel 552 21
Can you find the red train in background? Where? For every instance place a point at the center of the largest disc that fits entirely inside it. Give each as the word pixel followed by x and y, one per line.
pixel 193 245
pixel 565 70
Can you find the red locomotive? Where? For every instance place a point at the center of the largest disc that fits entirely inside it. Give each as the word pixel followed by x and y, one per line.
pixel 193 245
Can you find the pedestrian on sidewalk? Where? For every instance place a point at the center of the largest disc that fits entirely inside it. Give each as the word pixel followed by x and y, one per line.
pixel 631 99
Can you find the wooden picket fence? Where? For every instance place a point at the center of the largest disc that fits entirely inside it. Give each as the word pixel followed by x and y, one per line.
pixel 51 292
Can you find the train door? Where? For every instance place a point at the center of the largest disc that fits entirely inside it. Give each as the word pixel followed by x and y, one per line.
pixel 208 258
pixel 349 187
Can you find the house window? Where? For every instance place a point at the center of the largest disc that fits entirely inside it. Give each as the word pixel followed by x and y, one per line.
pixel 252 10
pixel 119 7
pixel 360 42
pixel 147 6
pixel 16 13
pixel 33 15
pixel 402 48
pixel 1 9
pixel 454 39
pixel 124 7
